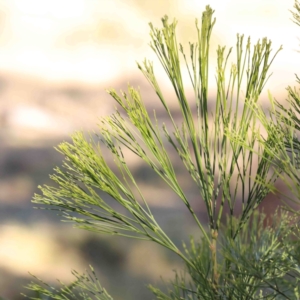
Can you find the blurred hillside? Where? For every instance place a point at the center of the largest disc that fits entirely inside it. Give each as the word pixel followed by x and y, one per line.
pixel 57 58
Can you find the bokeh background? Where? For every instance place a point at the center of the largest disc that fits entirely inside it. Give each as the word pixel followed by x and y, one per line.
pixel 56 60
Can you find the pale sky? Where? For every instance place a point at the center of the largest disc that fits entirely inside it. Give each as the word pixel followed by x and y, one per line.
pixel 98 40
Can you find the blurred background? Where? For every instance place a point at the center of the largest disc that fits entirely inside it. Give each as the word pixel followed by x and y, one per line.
pixel 56 60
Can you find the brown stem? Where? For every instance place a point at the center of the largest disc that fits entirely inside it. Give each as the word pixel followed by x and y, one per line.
pixel 213 247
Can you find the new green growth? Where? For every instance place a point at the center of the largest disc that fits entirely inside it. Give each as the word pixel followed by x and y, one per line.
pixel 234 153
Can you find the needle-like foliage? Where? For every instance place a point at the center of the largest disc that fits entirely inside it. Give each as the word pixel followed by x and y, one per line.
pixel 86 287
pixel 219 143
pixel 282 126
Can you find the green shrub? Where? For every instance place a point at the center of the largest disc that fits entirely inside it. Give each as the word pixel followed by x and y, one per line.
pixel 221 146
